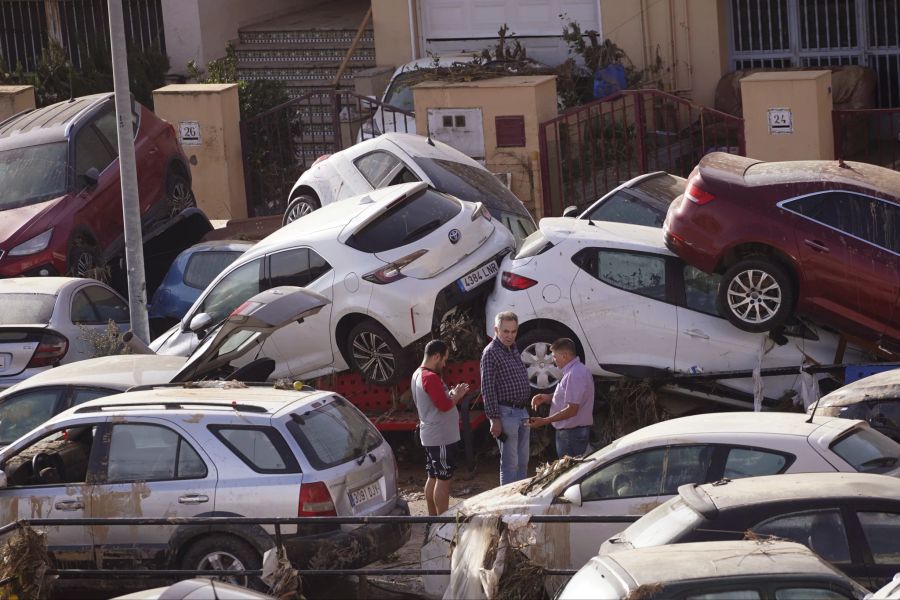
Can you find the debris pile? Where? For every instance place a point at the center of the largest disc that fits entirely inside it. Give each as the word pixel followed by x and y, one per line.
pixel 24 563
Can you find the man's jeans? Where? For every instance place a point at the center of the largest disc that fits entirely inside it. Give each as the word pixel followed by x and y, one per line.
pixel 514 451
pixel 572 442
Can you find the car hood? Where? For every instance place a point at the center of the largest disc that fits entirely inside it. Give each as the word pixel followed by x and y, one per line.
pixel 21 219
pixel 248 327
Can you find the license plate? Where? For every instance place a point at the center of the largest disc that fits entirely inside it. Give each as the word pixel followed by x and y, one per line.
pixel 479 276
pixel 365 493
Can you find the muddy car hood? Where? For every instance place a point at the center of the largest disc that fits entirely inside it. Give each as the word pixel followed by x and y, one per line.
pixel 21 219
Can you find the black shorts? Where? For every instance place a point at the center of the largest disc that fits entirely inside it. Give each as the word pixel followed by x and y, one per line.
pixel 440 461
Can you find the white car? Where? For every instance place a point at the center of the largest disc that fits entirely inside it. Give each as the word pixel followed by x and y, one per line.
pixel 641 470
pixel 643 200
pixel 48 321
pixel 393 262
pixel 395 158
pixel 745 570
pixel 635 309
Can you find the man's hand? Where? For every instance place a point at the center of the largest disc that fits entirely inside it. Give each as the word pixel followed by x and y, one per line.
pixel 496 428
pixel 538 422
pixel 458 391
pixel 539 399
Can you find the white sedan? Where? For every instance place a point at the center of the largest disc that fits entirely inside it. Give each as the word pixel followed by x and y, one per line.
pixel 393 262
pixel 635 309
pixel 641 470
pixel 48 321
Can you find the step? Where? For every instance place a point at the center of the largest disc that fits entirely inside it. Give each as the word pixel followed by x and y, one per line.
pixel 318 56
pixel 300 64
pixel 302 77
pixel 334 37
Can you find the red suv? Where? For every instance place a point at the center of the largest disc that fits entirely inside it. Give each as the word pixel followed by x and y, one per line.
pixel 821 238
pixel 60 195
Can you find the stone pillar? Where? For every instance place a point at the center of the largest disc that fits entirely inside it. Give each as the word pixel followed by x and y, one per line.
pixel 15 99
pixel 207 119
pixel 787 115
pixel 395 30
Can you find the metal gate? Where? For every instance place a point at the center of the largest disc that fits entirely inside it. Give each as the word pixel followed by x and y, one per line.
pixel 814 33
pixel 591 149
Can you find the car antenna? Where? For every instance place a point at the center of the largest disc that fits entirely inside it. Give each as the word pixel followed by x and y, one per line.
pixel 71 88
pixel 430 142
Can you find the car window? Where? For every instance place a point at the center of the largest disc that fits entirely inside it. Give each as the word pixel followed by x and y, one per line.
pixel 202 267
pixel 700 290
pixel 109 129
pixel 22 309
pixel 98 305
pixel 22 412
pixel 867 450
pixel 809 593
pixel 686 464
pixel 232 290
pixel 662 189
pixel 624 207
pixel 473 184
pixel 318 266
pixel 882 530
pixel 333 434
pixel 405 222
pixel 64 456
pixel 864 217
pixel 33 174
pixel 726 595
pixel 300 266
pixel 90 152
pixel 81 395
pixel 376 166
pixel 399 92
pixel 140 452
pixel 821 530
pixel 884 415
pixel 638 474
pixel 642 274
pixel 752 462
pixel 260 448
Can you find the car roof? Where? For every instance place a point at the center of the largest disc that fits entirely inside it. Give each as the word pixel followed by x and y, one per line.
pixel 739 493
pixel 40 285
pixel 682 562
pixel 47 124
pixel 114 372
pixel 237 245
pixel 617 235
pixel 879 386
pixel 443 60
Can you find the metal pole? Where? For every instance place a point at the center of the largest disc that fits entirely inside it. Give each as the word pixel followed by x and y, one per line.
pixel 131 212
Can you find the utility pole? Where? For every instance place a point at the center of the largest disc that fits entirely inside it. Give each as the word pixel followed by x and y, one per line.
pixel 131 210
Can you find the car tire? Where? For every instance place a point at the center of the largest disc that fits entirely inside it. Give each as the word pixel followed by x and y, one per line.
pixel 299 206
pixel 179 194
pixel 543 374
pixel 84 259
pixel 756 294
pixel 225 552
pixel 375 354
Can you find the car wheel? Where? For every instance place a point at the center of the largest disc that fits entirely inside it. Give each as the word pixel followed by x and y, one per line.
pixel 298 207
pixel 179 194
pixel 84 259
pixel 375 354
pixel 756 294
pixel 543 374
pixel 225 553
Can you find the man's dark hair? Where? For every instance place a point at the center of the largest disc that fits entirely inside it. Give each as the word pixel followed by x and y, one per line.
pixel 436 347
pixel 564 344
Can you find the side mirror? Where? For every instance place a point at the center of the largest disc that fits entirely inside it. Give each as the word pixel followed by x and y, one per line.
pixel 91 177
pixel 573 494
pixel 200 322
pixel 570 211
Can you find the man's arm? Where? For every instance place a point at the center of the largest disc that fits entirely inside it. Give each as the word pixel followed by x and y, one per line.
pixel 434 387
pixel 489 387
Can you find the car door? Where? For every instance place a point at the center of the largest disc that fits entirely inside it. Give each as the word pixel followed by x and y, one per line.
pixel 620 300
pixel 101 204
pixel 150 468
pixel 91 310
pixel 66 459
pixel 881 536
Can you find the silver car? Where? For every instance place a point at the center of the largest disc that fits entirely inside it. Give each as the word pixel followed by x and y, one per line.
pixel 222 450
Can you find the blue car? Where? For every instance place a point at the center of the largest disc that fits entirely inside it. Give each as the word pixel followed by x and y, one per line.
pixel 189 275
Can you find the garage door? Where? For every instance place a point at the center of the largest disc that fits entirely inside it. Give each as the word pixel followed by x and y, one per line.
pixel 471 25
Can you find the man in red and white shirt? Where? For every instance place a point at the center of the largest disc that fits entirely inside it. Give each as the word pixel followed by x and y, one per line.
pixel 438 423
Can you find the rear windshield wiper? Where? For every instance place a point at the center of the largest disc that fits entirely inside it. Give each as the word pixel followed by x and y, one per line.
pixel 421 229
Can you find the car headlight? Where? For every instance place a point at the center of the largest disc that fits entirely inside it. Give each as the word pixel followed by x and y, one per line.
pixel 35 244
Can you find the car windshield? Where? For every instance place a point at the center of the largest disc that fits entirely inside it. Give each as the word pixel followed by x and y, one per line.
pixel 662 189
pixel 26 309
pixel 868 451
pixel 662 525
pixel 333 434
pixel 32 175
pixel 399 93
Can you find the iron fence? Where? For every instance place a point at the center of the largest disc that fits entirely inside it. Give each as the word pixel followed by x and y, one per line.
pixel 281 143
pixel 590 150
pixel 80 26
pixel 868 135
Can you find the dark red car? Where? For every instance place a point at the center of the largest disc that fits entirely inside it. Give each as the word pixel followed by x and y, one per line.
pixel 821 238
pixel 60 194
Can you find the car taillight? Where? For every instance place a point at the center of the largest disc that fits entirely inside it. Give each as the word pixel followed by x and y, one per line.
pixel 391 272
pixel 511 281
pixel 315 501
pixel 51 349
pixel 320 159
pixel 698 195
pixel 481 211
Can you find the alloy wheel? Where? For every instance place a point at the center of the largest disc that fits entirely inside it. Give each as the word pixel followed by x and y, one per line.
pixel 223 561
pixel 374 356
pixel 182 197
pixel 84 264
pixel 299 210
pixel 542 371
pixel 754 296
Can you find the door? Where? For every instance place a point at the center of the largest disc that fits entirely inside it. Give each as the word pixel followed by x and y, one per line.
pixel 102 210
pixel 881 534
pixel 152 469
pixel 92 308
pixel 47 479
pixel 620 300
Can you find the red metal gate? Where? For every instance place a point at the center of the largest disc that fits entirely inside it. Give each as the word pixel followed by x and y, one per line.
pixel 590 150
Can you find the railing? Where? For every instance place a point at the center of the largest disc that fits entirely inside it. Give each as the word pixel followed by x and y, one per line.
pixel 80 26
pixel 868 135
pixel 590 150
pixel 281 143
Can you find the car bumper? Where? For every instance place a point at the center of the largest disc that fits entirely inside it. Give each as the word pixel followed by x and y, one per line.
pixel 349 549
pixel 453 296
